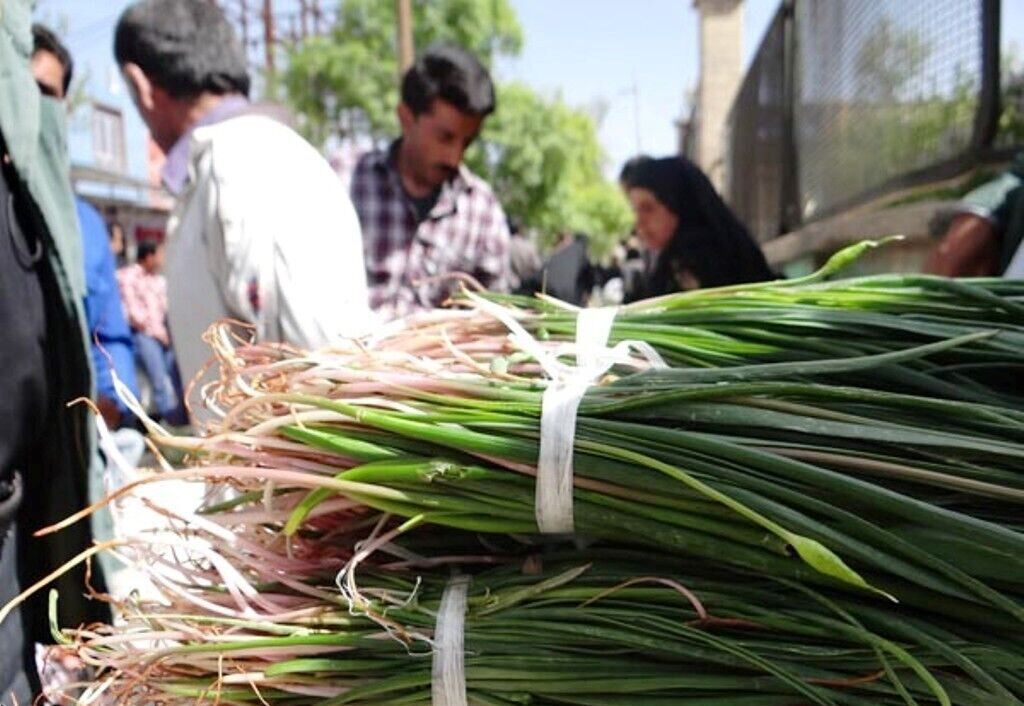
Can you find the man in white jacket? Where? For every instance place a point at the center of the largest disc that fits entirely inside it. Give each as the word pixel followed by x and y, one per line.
pixel 262 231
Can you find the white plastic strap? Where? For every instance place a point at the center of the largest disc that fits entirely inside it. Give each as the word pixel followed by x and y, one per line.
pixel 553 501
pixel 593 328
pixel 553 505
pixel 448 672
pixel 553 492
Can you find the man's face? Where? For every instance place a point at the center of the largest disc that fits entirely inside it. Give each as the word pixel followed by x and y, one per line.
pixel 48 73
pixel 158 110
pixel 154 264
pixel 435 141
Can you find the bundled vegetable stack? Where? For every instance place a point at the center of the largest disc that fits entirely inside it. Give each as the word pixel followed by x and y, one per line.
pixel 817 500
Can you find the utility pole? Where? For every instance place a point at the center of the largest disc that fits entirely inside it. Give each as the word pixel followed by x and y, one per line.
pixel 316 17
pixel 405 47
pixel 304 15
pixel 268 38
pixel 245 27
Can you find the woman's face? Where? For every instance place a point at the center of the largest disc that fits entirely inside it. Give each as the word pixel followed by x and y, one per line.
pixel 655 224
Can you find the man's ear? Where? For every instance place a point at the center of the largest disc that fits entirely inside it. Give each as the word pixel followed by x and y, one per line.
pixel 405 116
pixel 139 83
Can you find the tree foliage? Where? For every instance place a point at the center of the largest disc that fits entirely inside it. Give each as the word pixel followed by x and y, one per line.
pixel 347 82
pixel 544 159
pixel 888 60
pixel 541 156
pixel 900 119
pixel 1011 83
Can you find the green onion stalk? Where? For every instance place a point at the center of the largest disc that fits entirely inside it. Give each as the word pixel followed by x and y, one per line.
pixel 817 316
pixel 769 467
pixel 799 321
pixel 853 448
pixel 248 618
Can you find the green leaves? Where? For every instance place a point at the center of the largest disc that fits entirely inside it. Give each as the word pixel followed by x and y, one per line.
pixel 348 81
pixel 502 601
pixel 825 561
pixel 542 156
pixel 544 160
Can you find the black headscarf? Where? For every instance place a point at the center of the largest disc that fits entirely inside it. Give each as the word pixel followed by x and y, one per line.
pixel 710 243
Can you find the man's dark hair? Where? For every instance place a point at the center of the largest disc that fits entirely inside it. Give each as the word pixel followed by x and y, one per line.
pixel 44 39
pixel 630 167
pixel 186 47
pixel 146 249
pixel 451 74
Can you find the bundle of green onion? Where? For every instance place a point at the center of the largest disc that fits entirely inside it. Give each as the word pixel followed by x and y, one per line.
pixel 814 319
pixel 766 467
pixel 580 634
pixel 838 464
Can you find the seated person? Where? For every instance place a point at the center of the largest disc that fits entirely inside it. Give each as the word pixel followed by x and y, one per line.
pixel 984 238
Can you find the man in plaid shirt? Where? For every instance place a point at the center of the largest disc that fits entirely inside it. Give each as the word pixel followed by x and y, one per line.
pixel 144 295
pixel 424 214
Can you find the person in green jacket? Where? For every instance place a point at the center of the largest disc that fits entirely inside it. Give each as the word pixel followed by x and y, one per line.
pixel 46 446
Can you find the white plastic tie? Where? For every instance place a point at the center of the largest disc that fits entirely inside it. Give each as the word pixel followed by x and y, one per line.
pixel 448 671
pixel 553 500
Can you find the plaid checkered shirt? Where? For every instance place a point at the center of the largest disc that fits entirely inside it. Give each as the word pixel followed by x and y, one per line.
pixel 145 300
pixel 407 259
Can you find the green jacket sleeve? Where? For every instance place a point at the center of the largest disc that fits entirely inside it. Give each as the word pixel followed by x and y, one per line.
pixel 56 483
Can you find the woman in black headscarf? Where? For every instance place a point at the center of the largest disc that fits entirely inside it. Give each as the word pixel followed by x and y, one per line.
pixel 692 238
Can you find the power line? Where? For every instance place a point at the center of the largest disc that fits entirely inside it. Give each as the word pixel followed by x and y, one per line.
pixel 268 37
pixel 403 13
pixel 265 25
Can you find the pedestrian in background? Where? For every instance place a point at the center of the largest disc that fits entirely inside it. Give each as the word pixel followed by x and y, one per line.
pixel 110 338
pixel 144 292
pixel 424 214
pixel 986 235
pixel 118 246
pixel 525 262
pixel 568 273
pixel 691 238
pixel 261 229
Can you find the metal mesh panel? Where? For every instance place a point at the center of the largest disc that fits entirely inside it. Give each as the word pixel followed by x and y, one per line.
pixel 755 159
pixel 1011 75
pixel 884 88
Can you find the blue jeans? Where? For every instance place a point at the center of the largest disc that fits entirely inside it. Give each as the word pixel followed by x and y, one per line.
pixel 161 369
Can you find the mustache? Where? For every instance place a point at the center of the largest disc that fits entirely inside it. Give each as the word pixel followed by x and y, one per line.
pixel 449 171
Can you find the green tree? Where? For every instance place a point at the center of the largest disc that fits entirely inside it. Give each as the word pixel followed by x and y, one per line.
pixel 541 156
pixel 347 82
pixel 544 159
pixel 1011 84
pixel 888 60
